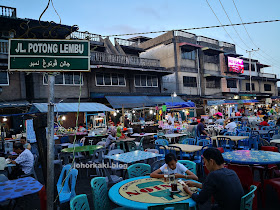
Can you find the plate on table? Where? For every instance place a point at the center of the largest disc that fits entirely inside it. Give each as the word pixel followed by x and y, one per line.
pixel 178 190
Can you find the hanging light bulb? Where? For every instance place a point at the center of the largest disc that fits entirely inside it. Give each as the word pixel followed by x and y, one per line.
pixel 118 111
pixel 115 114
pixel 63 118
pixel 155 113
pixel 133 111
pixel 5 119
pixel 151 111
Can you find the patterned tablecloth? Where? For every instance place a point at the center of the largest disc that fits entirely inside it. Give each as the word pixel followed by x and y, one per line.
pixel 252 157
pixel 18 188
pixel 131 157
pixel 141 192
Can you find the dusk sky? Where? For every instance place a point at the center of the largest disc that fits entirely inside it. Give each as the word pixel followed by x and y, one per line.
pixel 124 16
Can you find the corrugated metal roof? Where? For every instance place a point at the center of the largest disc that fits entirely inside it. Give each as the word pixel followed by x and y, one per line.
pixel 11 104
pixel 140 101
pixel 71 107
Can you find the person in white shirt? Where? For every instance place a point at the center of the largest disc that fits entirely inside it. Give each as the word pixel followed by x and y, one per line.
pixel 173 167
pixel 231 126
pixel 171 119
pixel 24 162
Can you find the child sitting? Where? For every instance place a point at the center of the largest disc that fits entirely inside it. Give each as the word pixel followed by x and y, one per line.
pixel 173 167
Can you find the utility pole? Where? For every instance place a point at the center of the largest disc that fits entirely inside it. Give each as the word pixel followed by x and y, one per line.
pixel 250 67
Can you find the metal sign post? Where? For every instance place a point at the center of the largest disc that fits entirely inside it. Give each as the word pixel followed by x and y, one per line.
pixel 50 145
pixel 49 55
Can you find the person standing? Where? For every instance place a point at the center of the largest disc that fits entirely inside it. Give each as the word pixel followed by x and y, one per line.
pixel 171 119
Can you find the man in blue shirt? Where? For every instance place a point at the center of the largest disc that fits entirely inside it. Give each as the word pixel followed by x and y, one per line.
pixel 200 128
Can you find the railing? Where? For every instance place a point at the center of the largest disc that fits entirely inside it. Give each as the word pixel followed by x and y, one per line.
pixel 267 75
pixel 226 44
pixel 125 42
pixel 123 59
pixel 4 47
pixel 8 11
pixel 85 35
pixel 207 40
pixel 185 34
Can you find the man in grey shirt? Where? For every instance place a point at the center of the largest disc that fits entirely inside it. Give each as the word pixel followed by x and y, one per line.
pixel 221 183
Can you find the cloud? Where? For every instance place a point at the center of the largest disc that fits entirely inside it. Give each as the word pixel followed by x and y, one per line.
pixel 148 11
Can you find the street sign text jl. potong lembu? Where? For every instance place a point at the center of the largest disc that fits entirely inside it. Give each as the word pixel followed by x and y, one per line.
pixel 48 55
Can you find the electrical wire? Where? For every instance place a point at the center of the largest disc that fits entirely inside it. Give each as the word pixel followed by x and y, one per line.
pixel 75 138
pixel 188 29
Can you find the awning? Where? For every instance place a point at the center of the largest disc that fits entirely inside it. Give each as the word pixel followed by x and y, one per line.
pixel 189 47
pixel 188 104
pixel 140 101
pixel 263 65
pixel 11 104
pixel 211 51
pixel 215 103
pixel 71 107
pixel 211 75
pixel 235 55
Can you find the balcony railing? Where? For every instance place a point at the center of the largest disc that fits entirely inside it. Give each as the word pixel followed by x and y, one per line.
pixel 207 40
pixel 4 46
pixel 101 57
pixel 185 34
pixel 226 44
pixel 268 75
pixel 128 43
pixel 85 36
pixel 8 11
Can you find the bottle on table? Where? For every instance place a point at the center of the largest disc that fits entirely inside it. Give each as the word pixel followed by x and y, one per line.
pixel 165 172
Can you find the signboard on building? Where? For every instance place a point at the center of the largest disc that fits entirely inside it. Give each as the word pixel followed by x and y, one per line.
pixel 49 55
pixel 235 65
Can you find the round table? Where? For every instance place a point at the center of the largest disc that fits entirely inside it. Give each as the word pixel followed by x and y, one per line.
pixel 87 148
pixel 141 192
pixel 252 157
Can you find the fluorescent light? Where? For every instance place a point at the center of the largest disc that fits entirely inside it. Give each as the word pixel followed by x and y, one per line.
pixel 63 118
pixel 5 119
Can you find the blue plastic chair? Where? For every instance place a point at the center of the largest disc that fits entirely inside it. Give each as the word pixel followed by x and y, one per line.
pixel 159 143
pixel 177 151
pixel 189 165
pixel 244 143
pixel 247 200
pixel 138 169
pixel 65 171
pixel 190 141
pixel 203 142
pixel 254 140
pixel 79 202
pixel 64 139
pixel 100 194
pixel 68 189
pixel 225 143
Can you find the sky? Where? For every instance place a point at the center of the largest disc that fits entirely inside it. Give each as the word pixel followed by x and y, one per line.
pixel 109 17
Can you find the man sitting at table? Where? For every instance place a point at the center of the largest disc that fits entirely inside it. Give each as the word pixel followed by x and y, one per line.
pixel 265 121
pixel 221 183
pixel 24 162
pixel 173 167
pixel 24 143
pixel 200 128
pixel 231 126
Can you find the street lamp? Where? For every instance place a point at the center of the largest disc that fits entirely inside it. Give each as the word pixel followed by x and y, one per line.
pixel 173 95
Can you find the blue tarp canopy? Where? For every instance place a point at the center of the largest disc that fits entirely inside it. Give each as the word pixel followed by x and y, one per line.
pixel 219 102
pixel 71 107
pixel 180 104
pixel 140 101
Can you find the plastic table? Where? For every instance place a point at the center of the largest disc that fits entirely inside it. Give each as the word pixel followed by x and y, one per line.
pixel 87 148
pixel 252 157
pixel 131 157
pixel 17 188
pixel 141 192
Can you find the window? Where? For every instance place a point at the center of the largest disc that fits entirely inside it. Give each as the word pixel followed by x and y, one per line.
pixel 188 55
pixel 246 67
pixel 189 81
pixel 211 58
pixel 248 87
pixel 4 78
pixel 267 87
pixel 213 82
pixel 65 79
pixel 231 83
pixel 108 79
pixel 145 81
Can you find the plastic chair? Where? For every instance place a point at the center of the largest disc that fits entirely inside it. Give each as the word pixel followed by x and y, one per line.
pixel 254 140
pixel 3 178
pixel 157 164
pixel 100 193
pixel 225 143
pixel 247 200
pixel 140 144
pixel 269 148
pixel 152 150
pixel 163 142
pixel 221 149
pixel 203 142
pixel 190 141
pixel 115 152
pixel 131 146
pixel 189 165
pixel 68 189
pixel 65 170
pixel 65 157
pixel 32 172
pixel 275 183
pixel 138 169
pixel 177 151
pixel 244 143
pixel 64 139
pixel 246 178
pixel 79 202
pixel 172 206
